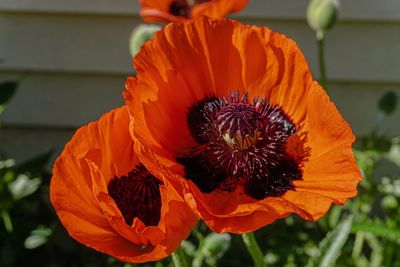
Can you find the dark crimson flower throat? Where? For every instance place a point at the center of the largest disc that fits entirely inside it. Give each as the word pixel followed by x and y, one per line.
pixel 183 7
pixel 137 195
pixel 241 143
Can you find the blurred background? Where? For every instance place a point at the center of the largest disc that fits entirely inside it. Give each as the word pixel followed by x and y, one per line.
pixel 70 59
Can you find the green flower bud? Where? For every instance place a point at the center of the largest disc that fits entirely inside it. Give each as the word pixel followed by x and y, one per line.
pixel 140 35
pixel 322 14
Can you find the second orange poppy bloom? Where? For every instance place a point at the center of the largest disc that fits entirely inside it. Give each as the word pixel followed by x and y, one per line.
pixel 177 10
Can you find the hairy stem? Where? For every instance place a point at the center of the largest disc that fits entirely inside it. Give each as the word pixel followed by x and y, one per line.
pixel 251 244
pixel 321 59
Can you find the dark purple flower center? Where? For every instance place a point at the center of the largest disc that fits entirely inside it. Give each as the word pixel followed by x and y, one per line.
pixel 240 143
pixel 183 7
pixel 137 195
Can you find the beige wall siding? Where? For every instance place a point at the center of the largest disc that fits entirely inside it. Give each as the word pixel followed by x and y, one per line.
pixel 97 44
pixel 25 143
pixel 62 100
pixel 381 10
pixel 67 101
pixel 72 59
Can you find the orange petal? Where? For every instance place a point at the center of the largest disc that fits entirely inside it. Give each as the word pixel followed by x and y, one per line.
pixel 97 153
pixel 291 90
pixel 214 8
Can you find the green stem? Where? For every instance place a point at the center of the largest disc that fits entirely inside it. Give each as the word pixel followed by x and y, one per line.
pixel 198 259
pixel 7 221
pixel 179 258
pixel 388 251
pixel 321 58
pixel 358 245
pixel 376 257
pixel 251 244
pixel 199 255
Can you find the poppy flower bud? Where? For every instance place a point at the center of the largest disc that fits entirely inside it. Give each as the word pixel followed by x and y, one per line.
pixel 322 14
pixel 140 35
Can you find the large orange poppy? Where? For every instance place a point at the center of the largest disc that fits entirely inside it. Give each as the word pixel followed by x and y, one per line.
pixel 108 201
pixel 178 10
pixel 233 113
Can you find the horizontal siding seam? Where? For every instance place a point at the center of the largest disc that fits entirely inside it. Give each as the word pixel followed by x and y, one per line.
pixel 239 16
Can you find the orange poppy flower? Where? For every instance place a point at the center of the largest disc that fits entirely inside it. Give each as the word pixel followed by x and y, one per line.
pixel 233 113
pixel 177 10
pixel 108 201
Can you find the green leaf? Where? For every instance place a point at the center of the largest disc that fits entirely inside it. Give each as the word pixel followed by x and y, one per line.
pixel 9 176
pixel 377 228
pixel 215 246
pixel 211 249
pixel 188 248
pixel 388 103
pixel 179 258
pixel 7 90
pixel 331 246
pixel 38 237
pixel 23 186
pixel 5 164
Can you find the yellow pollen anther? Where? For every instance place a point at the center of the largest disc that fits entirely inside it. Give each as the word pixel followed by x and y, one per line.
pixel 238 143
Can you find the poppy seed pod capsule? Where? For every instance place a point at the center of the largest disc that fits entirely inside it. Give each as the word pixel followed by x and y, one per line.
pixel 322 14
pixel 140 35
